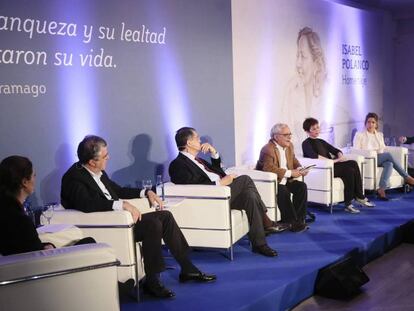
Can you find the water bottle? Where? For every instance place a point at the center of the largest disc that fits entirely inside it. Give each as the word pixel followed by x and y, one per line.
pixel 159 186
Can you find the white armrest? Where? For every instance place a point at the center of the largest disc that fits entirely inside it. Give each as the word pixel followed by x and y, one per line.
pixel 54 260
pixel 80 277
pixel 356 157
pixel 252 173
pixel 79 218
pixel 398 154
pixel 396 151
pixel 195 191
pixel 409 147
pixel 364 153
pixel 321 163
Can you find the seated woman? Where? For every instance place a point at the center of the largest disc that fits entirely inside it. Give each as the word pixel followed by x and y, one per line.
pixel 371 139
pixel 17 231
pixel 347 170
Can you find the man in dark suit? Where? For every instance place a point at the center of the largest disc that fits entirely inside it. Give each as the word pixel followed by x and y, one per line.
pixel 86 187
pixel 187 168
pixel 406 140
pixel 278 157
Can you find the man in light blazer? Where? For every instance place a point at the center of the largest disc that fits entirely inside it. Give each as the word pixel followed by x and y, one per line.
pixel 87 187
pixel 278 157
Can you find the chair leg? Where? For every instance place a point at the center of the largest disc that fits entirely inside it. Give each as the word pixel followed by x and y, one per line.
pixel 229 253
pixel 331 207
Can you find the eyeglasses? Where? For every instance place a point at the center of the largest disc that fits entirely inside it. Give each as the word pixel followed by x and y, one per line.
pixel 286 135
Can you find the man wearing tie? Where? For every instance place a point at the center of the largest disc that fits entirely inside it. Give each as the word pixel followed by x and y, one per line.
pixel 187 168
pixel 87 187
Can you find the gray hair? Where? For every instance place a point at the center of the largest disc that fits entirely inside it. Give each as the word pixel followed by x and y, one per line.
pixel 276 129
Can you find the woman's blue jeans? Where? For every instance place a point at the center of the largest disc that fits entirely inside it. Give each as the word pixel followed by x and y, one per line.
pixel 386 161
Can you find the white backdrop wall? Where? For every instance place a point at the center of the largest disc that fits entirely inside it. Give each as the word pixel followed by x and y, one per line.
pixel 272 82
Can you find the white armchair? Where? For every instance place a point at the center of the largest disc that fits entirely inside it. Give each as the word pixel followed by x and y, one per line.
pixel 410 156
pixel 373 172
pixel 323 187
pixel 266 184
pixel 205 217
pixel 80 277
pixel 114 228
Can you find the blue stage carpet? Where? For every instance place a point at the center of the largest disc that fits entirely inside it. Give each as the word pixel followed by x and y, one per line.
pixel 254 282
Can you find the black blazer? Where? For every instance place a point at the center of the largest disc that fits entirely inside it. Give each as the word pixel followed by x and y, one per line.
pixel 17 231
pixel 80 191
pixel 410 140
pixel 184 171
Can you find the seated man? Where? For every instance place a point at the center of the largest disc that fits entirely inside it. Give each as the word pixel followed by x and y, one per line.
pixel 86 187
pixel 406 140
pixel 188 169
pixel 278 157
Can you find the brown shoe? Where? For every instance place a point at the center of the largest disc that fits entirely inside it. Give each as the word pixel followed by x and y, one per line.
pixel 381 194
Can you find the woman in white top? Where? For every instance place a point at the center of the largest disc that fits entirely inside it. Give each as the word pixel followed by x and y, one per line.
pixel 371 139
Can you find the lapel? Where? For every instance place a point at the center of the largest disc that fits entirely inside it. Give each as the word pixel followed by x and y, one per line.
pixel 105 180
pixel 192 166
pixel 276 152
pixel 289 158
pixel 88 179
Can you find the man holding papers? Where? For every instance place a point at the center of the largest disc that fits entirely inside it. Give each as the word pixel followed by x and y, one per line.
pixel 278 156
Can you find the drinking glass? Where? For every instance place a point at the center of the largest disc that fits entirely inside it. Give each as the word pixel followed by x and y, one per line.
pixel 387 141
pixel 147 184
pixel 47 212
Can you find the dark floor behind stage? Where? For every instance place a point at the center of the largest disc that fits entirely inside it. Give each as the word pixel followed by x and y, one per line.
pixel 253 282
pixel 390 287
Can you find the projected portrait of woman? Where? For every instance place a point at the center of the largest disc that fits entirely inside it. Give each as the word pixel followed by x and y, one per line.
pixel 305 90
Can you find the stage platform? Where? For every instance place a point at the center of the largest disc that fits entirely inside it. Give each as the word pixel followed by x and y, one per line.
pixel 254 282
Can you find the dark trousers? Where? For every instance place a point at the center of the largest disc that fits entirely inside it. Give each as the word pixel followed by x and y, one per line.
pixel 349 172
pixel 292 212
pixel 150 230
pixel 244 196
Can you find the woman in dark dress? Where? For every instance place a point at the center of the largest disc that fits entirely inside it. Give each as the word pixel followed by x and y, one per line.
pixel 17 231
pixel 347 170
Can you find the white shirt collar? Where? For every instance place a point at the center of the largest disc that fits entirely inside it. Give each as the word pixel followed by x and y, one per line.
pixel 93 174
pixel 279 146
pixel 188 155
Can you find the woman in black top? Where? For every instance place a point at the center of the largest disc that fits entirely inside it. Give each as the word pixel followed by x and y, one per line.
pixel 17 231
pixel 347 170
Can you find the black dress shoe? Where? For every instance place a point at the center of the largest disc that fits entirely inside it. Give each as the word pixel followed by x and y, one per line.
pixel 158 290
pixel 125 288
pixel 197 276
pixel 298 227
pixel 264 250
